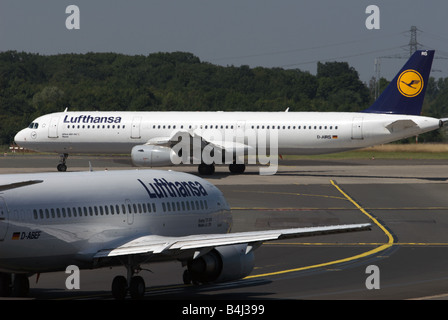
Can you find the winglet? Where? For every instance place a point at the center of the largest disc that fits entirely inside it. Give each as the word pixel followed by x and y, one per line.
pixel 405 93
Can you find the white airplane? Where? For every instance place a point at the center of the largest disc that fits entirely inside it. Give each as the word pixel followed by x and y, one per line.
pixel 49 221
pixel 162 138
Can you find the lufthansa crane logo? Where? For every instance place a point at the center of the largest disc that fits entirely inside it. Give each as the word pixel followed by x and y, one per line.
pixel 410 83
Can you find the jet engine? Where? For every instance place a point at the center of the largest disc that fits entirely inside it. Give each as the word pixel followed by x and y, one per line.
pixel 152 156
pixel 222 264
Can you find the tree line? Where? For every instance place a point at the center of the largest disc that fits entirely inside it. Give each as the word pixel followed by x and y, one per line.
pixel 32 85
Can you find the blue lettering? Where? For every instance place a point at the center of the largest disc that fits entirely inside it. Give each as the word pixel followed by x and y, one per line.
pixel 161 188
pixel 91 119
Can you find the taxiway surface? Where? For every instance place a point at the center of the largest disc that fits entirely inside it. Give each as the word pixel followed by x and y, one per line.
pixel 406 202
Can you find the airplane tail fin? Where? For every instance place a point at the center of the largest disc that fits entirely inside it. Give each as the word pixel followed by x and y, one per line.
pixel 405 94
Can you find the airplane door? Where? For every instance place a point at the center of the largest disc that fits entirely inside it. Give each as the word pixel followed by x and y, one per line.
pixel 135 129
pixel 53 128
pixel 357 129
pixel 3 219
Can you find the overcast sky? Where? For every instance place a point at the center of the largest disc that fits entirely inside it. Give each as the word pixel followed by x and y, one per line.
pixel 280 33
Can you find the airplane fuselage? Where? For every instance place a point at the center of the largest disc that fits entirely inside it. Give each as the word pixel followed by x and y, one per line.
pixel 86 213
pixel 298 132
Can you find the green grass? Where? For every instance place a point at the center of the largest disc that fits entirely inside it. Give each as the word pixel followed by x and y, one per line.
pixel 390 151
pixel 362 154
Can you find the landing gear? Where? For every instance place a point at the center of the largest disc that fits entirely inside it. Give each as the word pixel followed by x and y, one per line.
pixel 209 169
pixel 135 285
pixel 62 167
pixel 237 168
pixel 120 287
pixel 14 285
pixel 206 169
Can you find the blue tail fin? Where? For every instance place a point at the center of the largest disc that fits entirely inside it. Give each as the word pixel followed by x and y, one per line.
pixel 405 94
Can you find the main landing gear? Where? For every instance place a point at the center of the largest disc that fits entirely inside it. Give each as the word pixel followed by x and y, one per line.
pixel 133 284
pixel 62 167
pixel 209 169
pixel 14 285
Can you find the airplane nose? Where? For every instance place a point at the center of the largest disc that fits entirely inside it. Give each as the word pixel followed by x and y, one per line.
pixel 20 137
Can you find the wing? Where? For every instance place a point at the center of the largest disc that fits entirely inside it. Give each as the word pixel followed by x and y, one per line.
pixel 199 244
pixel 15 185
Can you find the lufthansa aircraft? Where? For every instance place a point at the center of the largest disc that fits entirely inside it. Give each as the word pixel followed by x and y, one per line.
pixel 50 221
pixel 162 138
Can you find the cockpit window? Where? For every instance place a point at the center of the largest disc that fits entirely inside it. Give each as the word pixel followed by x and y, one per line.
pixel 33 125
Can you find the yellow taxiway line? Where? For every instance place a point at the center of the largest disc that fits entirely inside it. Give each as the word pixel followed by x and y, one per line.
pixel 382 247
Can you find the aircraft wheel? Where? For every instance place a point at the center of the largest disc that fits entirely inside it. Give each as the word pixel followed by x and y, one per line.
pixel 119 287
pixel 237 167
pixel 5 284
pixel 186 277
pixel 206 169
pixel 62 167
pixel 137 287
pixel 21 286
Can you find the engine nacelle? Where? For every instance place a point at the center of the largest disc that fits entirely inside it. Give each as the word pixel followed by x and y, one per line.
pixel 225 263
pixel 152 156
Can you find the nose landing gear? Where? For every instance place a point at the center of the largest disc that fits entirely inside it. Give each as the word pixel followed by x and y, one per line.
pixel 62 167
